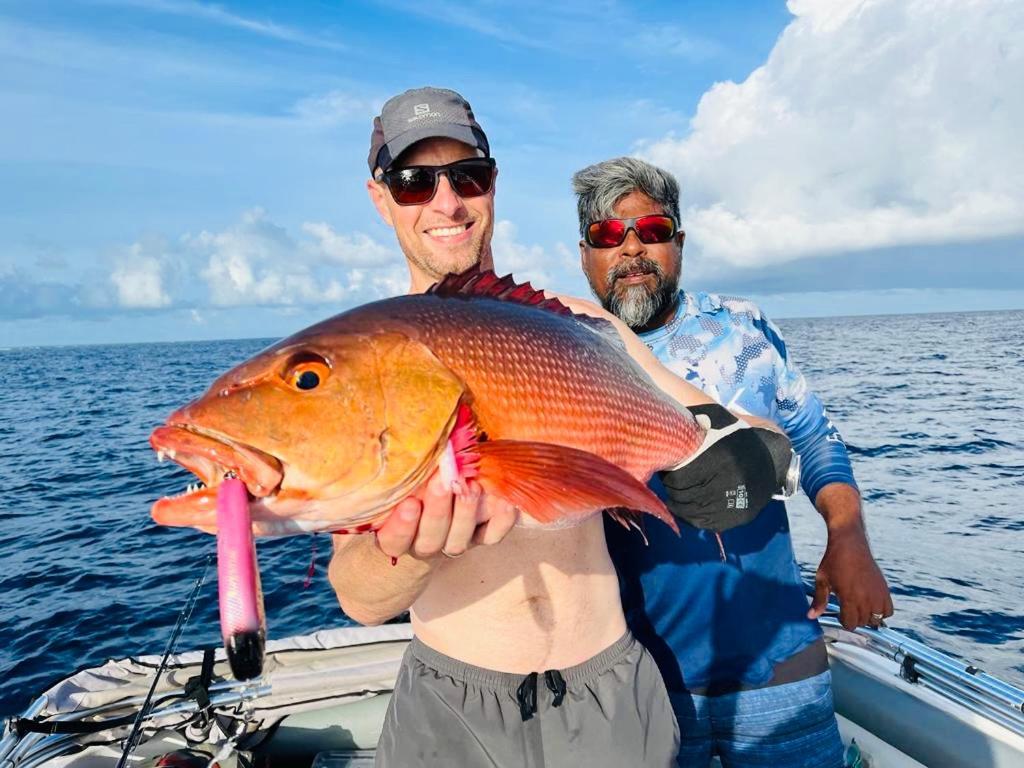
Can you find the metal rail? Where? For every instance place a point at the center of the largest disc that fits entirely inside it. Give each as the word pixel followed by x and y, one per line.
pixel 959 682
pixel 10 740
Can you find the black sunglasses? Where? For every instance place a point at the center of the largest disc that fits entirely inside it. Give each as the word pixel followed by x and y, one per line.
pixel 611 233
pixel 417 184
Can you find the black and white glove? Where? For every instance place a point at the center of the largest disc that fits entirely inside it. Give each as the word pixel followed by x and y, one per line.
pixel 736 472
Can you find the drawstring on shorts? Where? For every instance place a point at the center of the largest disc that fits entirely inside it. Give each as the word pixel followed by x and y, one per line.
pixel 556 684
pixel 526 694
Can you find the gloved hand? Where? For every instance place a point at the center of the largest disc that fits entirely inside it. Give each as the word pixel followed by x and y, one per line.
pixel 737 471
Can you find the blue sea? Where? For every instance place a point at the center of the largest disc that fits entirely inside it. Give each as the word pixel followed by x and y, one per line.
pixel 932 407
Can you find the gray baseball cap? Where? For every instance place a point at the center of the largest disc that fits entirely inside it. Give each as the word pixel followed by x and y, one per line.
pixel 422 113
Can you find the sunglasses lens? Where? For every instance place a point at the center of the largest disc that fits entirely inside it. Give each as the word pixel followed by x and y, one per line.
pixel 412 186
pixel 417 185
pixel 471 179
pixel 606 234
pixel 655 229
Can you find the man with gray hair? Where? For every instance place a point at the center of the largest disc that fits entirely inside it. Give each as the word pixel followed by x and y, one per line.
pixel 599 188
pixel 722 608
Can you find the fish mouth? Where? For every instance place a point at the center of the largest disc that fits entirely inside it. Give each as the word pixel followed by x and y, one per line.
pixel 211 457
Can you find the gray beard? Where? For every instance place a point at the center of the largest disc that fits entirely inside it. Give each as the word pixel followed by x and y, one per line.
pixel 635 305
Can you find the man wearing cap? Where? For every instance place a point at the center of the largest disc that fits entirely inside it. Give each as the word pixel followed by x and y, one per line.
pixel 521 654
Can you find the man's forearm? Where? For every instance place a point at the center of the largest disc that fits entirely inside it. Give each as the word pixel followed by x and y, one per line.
pixel 839 505
pixel 369 588
pixel 847 567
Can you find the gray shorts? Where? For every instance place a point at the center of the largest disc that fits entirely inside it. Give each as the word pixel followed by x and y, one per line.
pixel 611 710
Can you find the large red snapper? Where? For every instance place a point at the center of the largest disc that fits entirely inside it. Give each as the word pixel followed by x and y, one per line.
pixel 331 427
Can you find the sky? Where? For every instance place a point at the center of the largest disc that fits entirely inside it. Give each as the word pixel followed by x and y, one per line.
pixel 181 169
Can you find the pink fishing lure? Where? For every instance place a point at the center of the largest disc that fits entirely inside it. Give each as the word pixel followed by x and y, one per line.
pixel 242 621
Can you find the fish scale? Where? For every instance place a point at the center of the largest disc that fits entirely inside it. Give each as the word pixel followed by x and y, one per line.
pixel 543 379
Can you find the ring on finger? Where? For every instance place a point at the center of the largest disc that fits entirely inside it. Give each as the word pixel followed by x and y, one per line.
pixel 876 618
pixel 446 553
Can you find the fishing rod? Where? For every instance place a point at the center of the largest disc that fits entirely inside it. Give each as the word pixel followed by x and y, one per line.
pixel 172 642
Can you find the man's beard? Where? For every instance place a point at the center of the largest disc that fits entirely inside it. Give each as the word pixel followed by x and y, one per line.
pixel 636 305
pixel 438 264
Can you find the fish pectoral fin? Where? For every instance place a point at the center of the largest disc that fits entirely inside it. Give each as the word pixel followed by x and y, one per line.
pixel 553 482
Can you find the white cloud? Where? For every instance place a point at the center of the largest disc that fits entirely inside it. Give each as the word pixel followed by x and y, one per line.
pixel 528 262
pixel 392 280
pixel 873 123
pixel 353 250
pixel 253 263
pixel 138 280
pixel 258 263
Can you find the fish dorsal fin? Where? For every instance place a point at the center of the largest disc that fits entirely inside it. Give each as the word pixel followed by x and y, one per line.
pixel 485 283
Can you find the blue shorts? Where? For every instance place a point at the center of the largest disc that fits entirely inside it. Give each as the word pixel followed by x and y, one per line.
pixel 782 726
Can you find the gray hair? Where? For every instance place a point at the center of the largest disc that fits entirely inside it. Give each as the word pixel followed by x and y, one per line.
pixel 600 186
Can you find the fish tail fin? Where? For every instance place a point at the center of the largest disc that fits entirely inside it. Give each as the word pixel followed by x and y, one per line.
pixel 553 483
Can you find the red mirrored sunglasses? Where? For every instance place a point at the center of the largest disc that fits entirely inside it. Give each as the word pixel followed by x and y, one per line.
pixel 417 184
pixel 610 233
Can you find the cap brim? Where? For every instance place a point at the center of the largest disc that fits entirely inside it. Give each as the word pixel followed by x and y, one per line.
pixel 402 142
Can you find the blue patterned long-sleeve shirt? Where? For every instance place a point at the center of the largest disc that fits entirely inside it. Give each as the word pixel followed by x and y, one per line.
pixel 705 620
pixel 727 348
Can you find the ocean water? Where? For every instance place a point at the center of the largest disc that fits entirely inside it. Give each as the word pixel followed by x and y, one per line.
pixel 932 407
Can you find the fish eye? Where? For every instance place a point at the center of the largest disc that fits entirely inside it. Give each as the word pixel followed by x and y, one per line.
pixel 307 371
pixel 307 380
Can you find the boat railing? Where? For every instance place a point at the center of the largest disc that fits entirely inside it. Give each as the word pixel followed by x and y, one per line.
pixel 955 680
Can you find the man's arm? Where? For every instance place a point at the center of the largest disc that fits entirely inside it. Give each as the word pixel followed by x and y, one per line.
pixel 847 567
pixel 370 590
pixel 378 576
